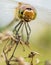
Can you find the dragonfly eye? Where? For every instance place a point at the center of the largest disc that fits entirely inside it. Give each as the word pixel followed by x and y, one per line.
pixel 22 12
pixel 29 8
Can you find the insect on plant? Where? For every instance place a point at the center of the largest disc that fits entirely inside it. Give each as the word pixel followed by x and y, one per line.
pixel 25 13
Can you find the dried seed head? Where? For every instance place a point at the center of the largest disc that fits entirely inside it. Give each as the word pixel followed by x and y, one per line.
pixel 33 52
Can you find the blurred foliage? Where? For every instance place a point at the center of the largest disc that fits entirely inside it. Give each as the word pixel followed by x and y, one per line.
pixel 44 39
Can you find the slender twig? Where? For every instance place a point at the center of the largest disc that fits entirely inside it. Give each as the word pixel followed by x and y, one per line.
pixel 13 52
pixel 5 45
pixel 32 61
pixel 6 60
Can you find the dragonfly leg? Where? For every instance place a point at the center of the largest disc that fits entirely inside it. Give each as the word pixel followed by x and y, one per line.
pixel 28 34
pixel 16 26
pixel 29 28
pixel 19 28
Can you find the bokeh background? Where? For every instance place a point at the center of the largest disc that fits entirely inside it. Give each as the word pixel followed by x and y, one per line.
pixel 40 39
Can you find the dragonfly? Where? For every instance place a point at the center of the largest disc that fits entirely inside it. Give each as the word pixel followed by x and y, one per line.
pixel 25 13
